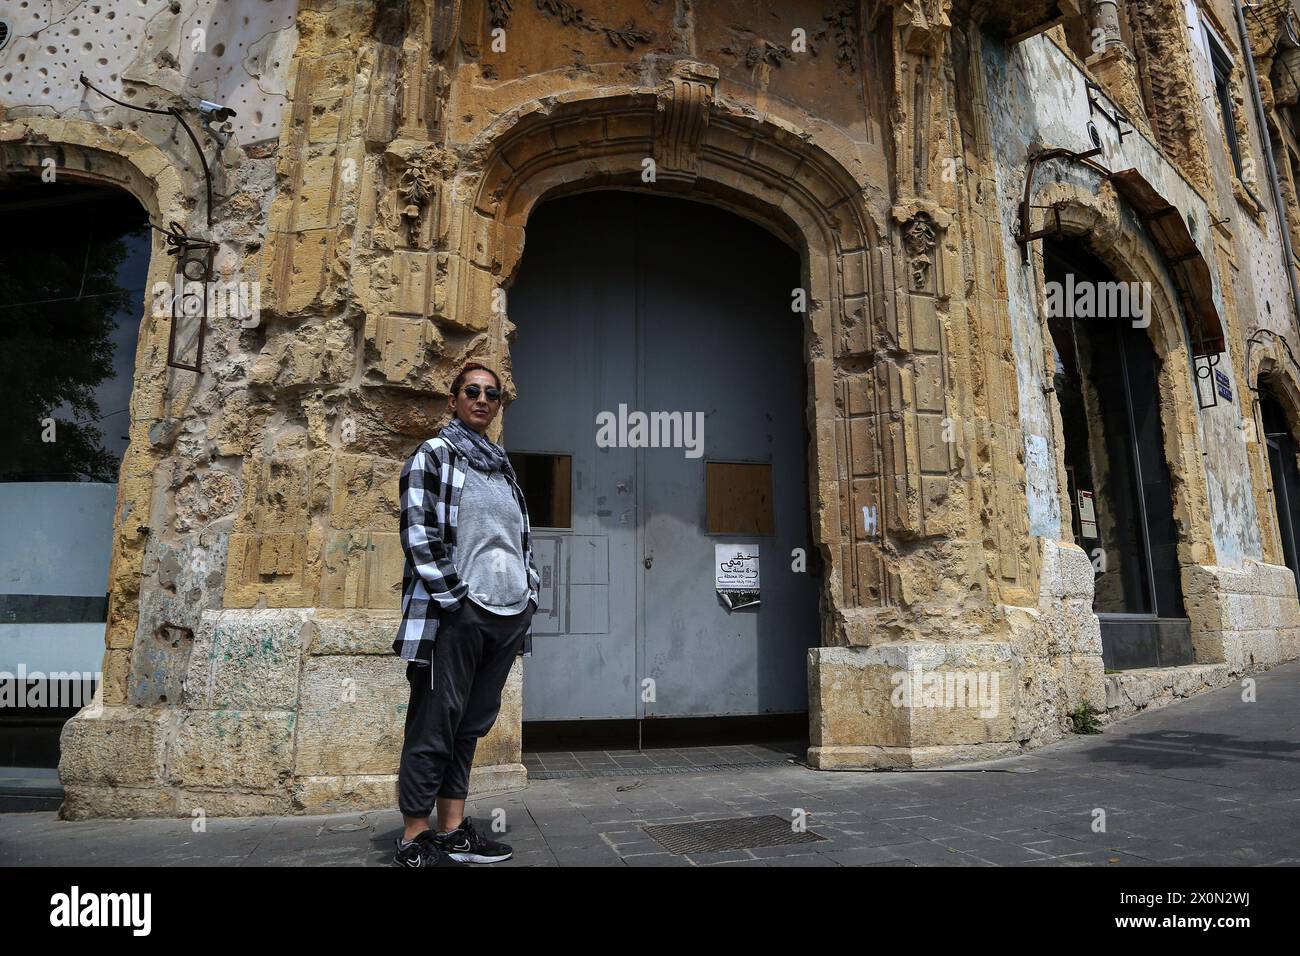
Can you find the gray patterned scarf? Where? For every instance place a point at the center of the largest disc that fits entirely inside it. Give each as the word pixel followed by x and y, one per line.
pixel 483 453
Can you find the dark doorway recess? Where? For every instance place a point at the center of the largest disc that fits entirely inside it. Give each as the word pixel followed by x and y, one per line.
pixel 1106 379
pixel 1285 472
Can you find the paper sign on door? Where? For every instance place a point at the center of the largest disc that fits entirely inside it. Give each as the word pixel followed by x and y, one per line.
pixel 735 574
pixel 1087 515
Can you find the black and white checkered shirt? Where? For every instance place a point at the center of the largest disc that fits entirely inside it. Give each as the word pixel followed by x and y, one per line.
pixel 431 486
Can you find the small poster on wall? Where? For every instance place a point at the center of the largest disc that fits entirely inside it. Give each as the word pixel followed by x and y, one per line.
pixel 735 574
pixel 1087 515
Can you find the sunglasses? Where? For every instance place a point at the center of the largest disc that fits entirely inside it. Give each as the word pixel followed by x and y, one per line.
pixel 472 391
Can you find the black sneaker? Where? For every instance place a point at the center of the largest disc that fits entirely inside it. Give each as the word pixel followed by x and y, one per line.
pixel 467 844
pixel 422 851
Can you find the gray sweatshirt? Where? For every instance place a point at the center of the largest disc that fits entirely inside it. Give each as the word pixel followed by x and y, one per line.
pixel 489 553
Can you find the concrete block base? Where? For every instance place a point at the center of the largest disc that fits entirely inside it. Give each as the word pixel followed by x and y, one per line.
pixel 904 758
pixel 911 704
pixel 340 794
pixel 1130 692
pixel 323 734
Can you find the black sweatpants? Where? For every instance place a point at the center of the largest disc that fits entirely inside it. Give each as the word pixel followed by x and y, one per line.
pixel 455 701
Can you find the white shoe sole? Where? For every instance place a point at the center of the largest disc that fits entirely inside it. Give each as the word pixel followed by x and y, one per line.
pixel 472 858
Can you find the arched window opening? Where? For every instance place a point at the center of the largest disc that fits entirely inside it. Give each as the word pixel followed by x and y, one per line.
pixel 1106 380
pixel 74 260
pixel 1285 471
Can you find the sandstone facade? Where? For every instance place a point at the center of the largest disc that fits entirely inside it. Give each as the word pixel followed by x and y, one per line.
pixel 380 195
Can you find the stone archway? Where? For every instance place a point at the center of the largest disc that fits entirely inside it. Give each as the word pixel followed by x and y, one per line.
pixel 764 171
pixel 1270 366
pixel 1095 222
pixel 802 217
pixel 874 337
pixel 1210 593
pixel 83 152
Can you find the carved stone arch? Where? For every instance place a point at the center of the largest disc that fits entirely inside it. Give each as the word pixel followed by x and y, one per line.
pixel 87 153
pixel 1270 368
pixel 1096 222
pixel 758 167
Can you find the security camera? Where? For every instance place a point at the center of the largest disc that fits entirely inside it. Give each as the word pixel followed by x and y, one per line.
pixel 216 120
pixel 214 112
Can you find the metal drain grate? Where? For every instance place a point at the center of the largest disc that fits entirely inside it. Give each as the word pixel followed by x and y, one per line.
pixel 736 833
pixel 653 771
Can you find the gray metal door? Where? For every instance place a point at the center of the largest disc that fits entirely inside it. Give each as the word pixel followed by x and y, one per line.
pixel 573 355
pixel 670 306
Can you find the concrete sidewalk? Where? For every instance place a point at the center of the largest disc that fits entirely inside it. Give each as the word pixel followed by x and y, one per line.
pixel 1207 781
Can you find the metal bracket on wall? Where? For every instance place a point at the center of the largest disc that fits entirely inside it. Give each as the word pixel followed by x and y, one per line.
pixel 1204 365
pixel 194 258
pixel 1024 235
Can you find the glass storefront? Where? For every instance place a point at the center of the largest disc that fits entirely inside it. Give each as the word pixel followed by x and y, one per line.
pixel 1284 468
pixel 73 267
pixel 1106 377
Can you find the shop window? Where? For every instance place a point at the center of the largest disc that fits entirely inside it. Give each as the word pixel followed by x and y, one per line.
pixel 1105 377
pixel 545 481
pixel 74 261
pixel 73 264
pixel 739 497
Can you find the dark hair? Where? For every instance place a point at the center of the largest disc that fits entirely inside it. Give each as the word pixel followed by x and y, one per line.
pixel 470 367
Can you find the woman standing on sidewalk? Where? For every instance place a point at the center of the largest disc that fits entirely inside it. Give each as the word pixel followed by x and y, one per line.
pixel 469 591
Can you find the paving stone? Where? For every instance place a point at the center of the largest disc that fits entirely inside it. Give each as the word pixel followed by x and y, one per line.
pixel 860 856
pixel 656 859
pixel 719 856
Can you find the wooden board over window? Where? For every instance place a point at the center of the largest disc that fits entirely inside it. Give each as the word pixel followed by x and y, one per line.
pixel 739 496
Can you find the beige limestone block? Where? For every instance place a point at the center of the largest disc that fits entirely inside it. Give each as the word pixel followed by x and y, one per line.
pixel 84 802
pixel 247 659
pixel 233 749
pixel 338 794
pixel 365 492
pixel 362 569
pixel 221 803
pixel 355 632
pixel 912 694
pixel 352 716
pixel 112 746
